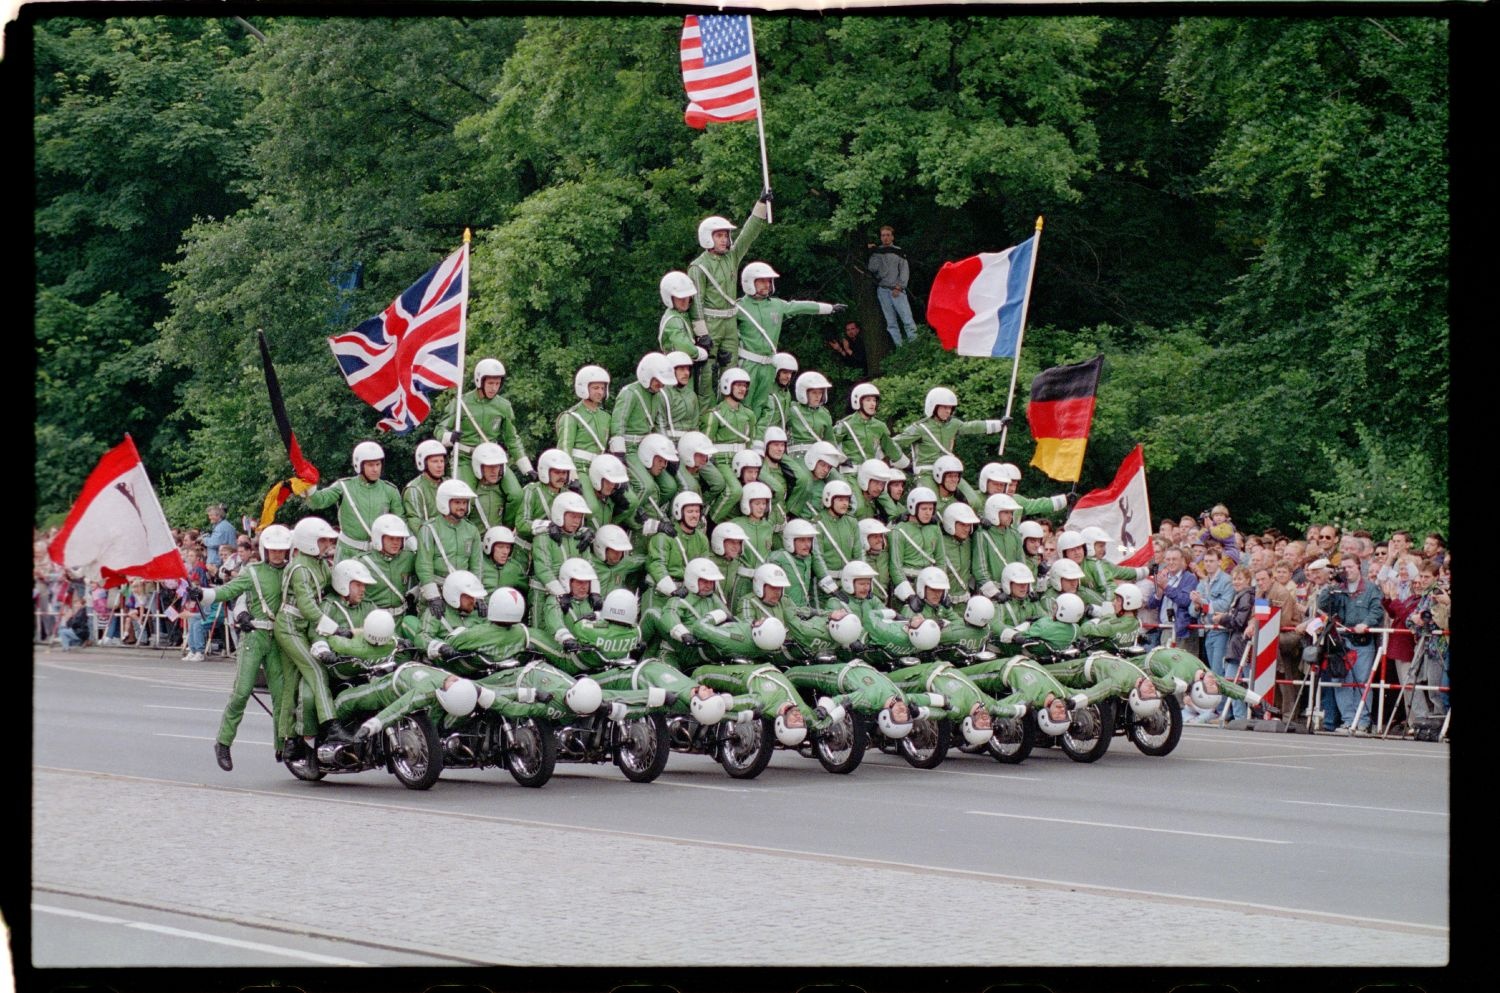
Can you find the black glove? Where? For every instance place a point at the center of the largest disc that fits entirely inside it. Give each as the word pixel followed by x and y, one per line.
pixel 901 518
pixel 1006 421
pixel 704 342
pixel 596 601
pixel 914 604
pixel 1073 499
pixel 946 601
pixel 680 592
pixel 575 486
pixel 673 465
pixel 446 651
pixel 554 532
pixel 640 515
pixel 690 639
pixel 344 633
pixel 765 195
pixel 858 647
pixel 528 477
pixel 839 594
pixel 1042 568
pixel 194 593
pixel 243 622
pixel 1001 597
pixel 482 605
pixel 402 645
pixel 667 528
pixel 984 522
pixel 543 696
pixel 789 474
pixel 565 602
pixel 1153 568
pixel 584 537
pixel 839 308
pixel 571 645
pixel 620 497
pixel 324 655
pixel 590 616
pixel 436 607
pixel 723 357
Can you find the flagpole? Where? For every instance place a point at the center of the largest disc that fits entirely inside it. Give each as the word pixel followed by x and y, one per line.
pixel 463 339
pixel 760 112
pixel 1015 368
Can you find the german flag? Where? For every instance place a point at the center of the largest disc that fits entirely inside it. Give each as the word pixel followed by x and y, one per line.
pixel 1060 412
pixel 304 473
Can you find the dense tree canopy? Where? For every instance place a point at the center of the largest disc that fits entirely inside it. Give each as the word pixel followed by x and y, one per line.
pixel 1248 217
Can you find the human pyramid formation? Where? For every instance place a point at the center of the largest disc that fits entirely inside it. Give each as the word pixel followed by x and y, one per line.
pixel 707 541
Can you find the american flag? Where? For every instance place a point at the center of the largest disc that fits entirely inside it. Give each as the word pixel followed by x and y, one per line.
pixel 397 359
pixel 718 69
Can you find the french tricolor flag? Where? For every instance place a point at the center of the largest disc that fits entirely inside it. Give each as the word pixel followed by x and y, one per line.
pixel 978 305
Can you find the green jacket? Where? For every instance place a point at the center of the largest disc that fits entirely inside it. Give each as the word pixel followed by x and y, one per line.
pixel 637 413
pixel 419 499
pixel 360 502
pixel 760 321
pixel 836 544
pixel 732 428
pixel 515 573
pixel 583 433
pixel 444 547
pixel 995 548
pixel 679 411
pixel 929 438
pixel 667 557
pixel 652 494
pixel 805 425
pixel 395 577
pixel 798 569
pixel 913 547
pixel 712 273
pixel 261 584
pixel 304 583
pixel 956 559
pixel 863 438
pixel 495 503
pixel 484 420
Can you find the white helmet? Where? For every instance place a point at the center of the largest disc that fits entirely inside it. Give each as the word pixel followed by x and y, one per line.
pixel 745 459
pixel 836 488
pixel 554 458
pixel 676 284
pixel 728 531
pixel 861 391
pixel 487 453
pixel 768 633
pixel 654 445
pixel 485 368
pixel 507 606
pixel 1016 572
pixel 871 470
pixel 790 731
pixel 1069 540
pixel 498 535
pixel 307 532
pixel 1050 727
pixel 1067 569
pixel 973 733
pixel 426 450
pixel 698 569
pixel 752 272
pixel 564 503
pixel 677 358
pixel 584 696
pixel 919 495
pixel 769 574
pixel 449 490
pixel 925 636
pixel 822 451
pixel 1092 535
pixel 810 380
pixel 1030 529
pixel 1069 608
pixel 888 725
pixel 931 578
pixel 653 365
pixel 607 468
pixel 379 627
pixel 990 471
pixel 622 607
pixel 459 582
pixel 784 362
pixel 1199 696
pixel 729 377
pixel 367 451
pixel 278 537
pixel 796 528
pixel 979 611
pixel 579 569
pixel 611 536
pixel 1012 471
pixel 1142 706
pixel 938 396
pixel 773 433
pixel 1130 596
pixel 943 465
pixel 996 504
pixel 349 571
pixel 754 491
pixel 855 569
pixel 869 526
pixel 957 513
pixel 847 629
pixel 708 226
pixel 460 699
pixel 693 444
pixel 590 374
pixel 682 501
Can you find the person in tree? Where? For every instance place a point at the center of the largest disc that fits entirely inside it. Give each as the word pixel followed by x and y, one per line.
pixel 892 272
pixel 361 498
pixel 713 273
pixel 760 318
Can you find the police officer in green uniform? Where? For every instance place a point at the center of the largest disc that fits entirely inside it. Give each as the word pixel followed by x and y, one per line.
pixel 938 430
pixel 361 498
pixel 773 411
pixel 713 273
pixel 864 435
pixel 392 565
pixel 497 491
pixel 486 416
pixel 301 618
pixel 681 409
pixel 998 543
pixel 419 496
pixel 505 563
pixel 760 318
pixel 583 429
pixel 640 409
pixel 447 543
pixel 731 425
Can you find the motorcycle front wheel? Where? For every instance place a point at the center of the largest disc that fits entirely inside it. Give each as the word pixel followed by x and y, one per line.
pixel 416 755
pixel 1081 749
pixel 641 749
pixel 745 749
pixel 1158 734
pixel 927 743
pixel 840 747
pixel 530 751
pixel 1013 740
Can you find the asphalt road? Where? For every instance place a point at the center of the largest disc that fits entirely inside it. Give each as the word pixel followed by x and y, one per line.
pixel 1240 848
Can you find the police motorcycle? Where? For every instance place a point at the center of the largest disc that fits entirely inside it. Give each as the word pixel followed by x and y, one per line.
pixel 526 747
pixel 1155 731
pixel 408 748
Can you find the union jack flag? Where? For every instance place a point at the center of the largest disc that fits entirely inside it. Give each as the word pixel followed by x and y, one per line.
pixel 396 360
pixel 718 69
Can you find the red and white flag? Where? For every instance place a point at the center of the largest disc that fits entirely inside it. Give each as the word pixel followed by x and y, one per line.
pixel 116 529
pixel 718 69
pixel 1123 511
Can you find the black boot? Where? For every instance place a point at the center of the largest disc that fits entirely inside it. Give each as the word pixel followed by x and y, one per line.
pixel 333 731
pixel 221 752
pixel 291 749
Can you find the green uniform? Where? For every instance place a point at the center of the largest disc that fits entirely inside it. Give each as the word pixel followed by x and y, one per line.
pixel 304 582
pixel 395 578
pixel 959 692
pixel 798 569
pixel 535 509
pixel 760 321
pixel 495 503
pixel 624 574
pixel 836 544
pixel 884 629
pixel 444 547
pixel 956 559
pixel 1102 676
pixel 716 277
pixel 863 438
pixel 667 557
pixel 995 549
pixel 548 553
pixel 260 582
pixel 965 494
pixel 1039 506
pixel 806 630
pixel 410 688
pixel 649 495
pixel 706 482
pixel 483 420
pixel 1011 612
pixel 1058 635
pixel 725 504
pixel 806 498
pixel 1169 664
pixel 675 620
pixel 928 438
pixel 913 547
pixel 1122 630
pixel 1100 575
pixel 680 412
pixel 1017 680
pixel 774 411
pixel 760 541
pixel 583 433
pixel 419 501
pixel 514 573
pixel 731 426
pixel 1054 590
pixel 806 425
pixel 675 334
pixel 360 502
pixel 638 412
pixel 772 476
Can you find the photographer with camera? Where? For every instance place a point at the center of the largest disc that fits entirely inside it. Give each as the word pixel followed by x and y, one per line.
pixel 1354 604
pixel 1427 620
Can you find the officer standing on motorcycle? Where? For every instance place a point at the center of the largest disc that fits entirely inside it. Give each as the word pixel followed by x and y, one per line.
pixel 361 498
pixel 713 309
pixel 583 429
pixel 447 543
pixel 487 416
pixel 300 618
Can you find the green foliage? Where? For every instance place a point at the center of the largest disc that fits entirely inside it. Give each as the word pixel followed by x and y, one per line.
pixel 1381 487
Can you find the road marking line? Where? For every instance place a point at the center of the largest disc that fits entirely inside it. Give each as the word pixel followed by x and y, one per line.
pixel 1119 892
pixel 1355 806
pixel 254 946
pixel 1250 761
pixel 1129 827
pixel 171 680
pixel 704 786
pixel 202 710
pixel 209 737
pixel 956 772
